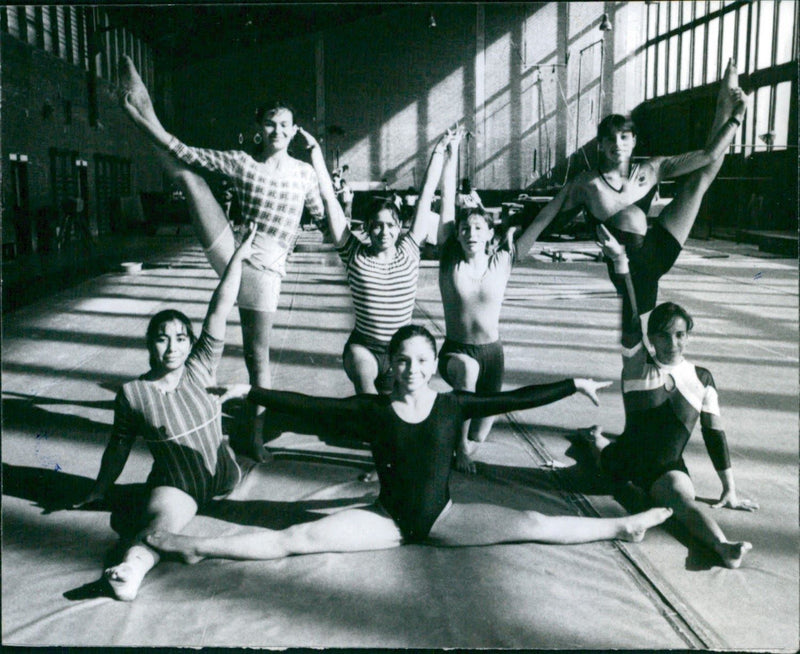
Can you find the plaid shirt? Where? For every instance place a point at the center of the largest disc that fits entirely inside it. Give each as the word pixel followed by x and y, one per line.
pixel 273 201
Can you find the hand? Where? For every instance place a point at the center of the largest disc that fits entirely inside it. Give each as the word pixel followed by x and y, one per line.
pixel 310 141
pixel 231 392
pixel 610 246
pixel 245 248
pixel 589 388
pixel 456 135
pixel 729 500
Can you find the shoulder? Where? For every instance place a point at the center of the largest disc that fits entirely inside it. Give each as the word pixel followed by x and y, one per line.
pixel 705 376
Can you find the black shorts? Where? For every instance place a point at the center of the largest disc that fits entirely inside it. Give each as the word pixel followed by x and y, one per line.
pixel 620 466
pixel 380 350
pixel 650 258
pixel 491 363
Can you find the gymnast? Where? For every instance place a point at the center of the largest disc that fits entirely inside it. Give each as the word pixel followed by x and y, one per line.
pixel 181 424
pixel 664 396
pixel 618 193
pixel 272 193
pixel 382 274
pixel 473 274
pixel 413 433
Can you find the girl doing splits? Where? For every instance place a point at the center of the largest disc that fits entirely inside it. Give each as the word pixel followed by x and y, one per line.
pixel 413 433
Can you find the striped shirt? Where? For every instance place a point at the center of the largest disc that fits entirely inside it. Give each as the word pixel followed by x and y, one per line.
pixel 272 200
pixel 182 428
pixel 383 292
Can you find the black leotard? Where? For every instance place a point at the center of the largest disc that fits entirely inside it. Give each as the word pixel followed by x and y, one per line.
pixel 413 460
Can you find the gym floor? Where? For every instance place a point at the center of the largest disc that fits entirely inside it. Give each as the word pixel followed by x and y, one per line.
pixel 65 355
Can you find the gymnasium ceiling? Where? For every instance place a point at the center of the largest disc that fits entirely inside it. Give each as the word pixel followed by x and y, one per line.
pixel 189 31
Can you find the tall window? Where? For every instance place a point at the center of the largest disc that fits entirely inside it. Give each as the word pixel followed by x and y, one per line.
pixel 689 44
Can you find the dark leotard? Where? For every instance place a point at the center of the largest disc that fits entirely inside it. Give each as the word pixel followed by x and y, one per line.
pixel 662 407
pixel 413 460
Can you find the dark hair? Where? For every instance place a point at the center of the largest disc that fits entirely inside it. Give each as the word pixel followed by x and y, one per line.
pixel 463 213
pixel 408 332
pixel 662 316
pixel 383 204
pixel 168 315
pixel 267 108
pixel 614 124
pixel 466 187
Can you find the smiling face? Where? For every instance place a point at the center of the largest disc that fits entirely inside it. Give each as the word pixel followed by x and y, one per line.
pixel 670 342
pixel 170 346
pixel 413 364
pixel 384 230
pixel 474 233
pixel 617 146
pixel 278 129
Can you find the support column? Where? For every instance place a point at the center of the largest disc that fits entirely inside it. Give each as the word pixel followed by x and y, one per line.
pixel 319 83
pixel 480 99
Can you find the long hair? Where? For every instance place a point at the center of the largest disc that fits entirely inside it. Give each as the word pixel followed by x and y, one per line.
pixel 168 315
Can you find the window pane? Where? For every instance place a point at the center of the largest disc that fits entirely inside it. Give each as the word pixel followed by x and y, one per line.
pixel 699 9
pixel 713 51
pixel 699 55
pixel 650 91
pixel 663 23
pixel 672 72
pixel 762 114
pixel 781 123
pixel 674 14
pixel 62 32
pixel 13 21
pixel 728 37
pixel 30 18
pixel 661 76
pixel 73 14
pixel 741 44
pixel 786 24
pixel 652 21
pixel 714 5
pixel 686 8
pixel 686 60
pixel 47 29
pixel 764 51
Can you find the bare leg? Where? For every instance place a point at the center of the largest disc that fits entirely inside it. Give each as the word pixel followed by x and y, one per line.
pixel 352 530
pixel 675 490
pixel 256 331
pixel 361 368
pixel 679 215
pixel 487 524
pixel 168 509
pixel 463 371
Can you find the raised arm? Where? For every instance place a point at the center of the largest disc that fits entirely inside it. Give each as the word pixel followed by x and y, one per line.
pixel 567 198
pixel 337 221
pixel 227 290
pixel 615 251
pixel 447 218
pixel 668 167
pixel 420 226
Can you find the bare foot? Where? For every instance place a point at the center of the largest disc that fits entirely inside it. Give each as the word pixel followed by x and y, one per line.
pixel 125 580
pixel 593 437
pixel 634 527
pixel 135 98
pixel 174 544
pixel 732 553
pixel 463 461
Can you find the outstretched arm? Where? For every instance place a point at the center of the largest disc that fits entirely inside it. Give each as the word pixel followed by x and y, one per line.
pixel 565 199
pixel 337 221
pixel 420 227
pixel 615 251
pixel 527 397
pixel 113 462
pixel 227 290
